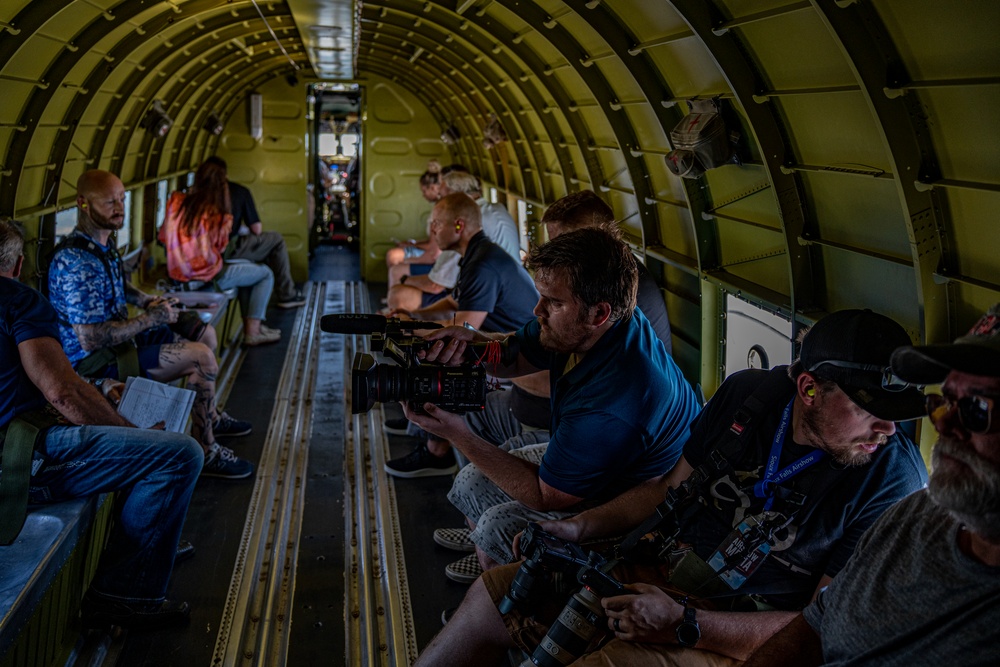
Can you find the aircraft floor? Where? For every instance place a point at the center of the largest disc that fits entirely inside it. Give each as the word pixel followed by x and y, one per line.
pixel 217 513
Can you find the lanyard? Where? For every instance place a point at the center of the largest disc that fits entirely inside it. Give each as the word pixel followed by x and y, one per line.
pixel 765 487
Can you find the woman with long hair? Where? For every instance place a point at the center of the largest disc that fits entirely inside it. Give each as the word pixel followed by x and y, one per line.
pixel 196 233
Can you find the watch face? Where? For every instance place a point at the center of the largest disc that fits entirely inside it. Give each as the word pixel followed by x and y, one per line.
pixel 688 633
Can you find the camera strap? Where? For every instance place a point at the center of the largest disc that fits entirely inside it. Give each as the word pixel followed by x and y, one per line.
pixel 771 392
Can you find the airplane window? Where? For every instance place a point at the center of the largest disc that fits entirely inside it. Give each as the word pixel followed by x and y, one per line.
pixel 65 222
pixel 349 144
pixel 125 233
pixel 327 143
pixel 161 202
pixel 755 338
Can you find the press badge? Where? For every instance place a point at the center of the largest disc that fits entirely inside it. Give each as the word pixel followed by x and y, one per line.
pixel 741 553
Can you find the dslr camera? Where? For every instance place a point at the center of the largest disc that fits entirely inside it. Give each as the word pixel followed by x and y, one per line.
pixel 581 620
pixel 411 379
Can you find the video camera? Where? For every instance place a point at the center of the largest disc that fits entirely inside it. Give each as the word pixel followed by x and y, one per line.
pixel 580 620
pixel 452 388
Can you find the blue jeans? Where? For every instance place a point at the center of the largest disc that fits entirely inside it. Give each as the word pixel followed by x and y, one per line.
pixel 257 277
pixel 154 473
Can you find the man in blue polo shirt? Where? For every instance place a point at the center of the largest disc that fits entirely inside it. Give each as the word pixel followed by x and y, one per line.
pixel 494 293
pixel 620 406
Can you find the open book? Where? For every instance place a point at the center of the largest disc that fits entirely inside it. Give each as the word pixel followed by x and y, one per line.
pixel 147 402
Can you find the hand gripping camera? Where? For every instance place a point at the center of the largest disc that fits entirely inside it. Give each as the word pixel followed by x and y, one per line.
pixel 580 621
pixel 452 388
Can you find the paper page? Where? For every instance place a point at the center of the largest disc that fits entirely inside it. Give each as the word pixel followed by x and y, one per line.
pixel 147 402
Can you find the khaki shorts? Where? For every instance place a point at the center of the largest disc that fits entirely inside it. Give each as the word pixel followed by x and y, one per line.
pixel 528 630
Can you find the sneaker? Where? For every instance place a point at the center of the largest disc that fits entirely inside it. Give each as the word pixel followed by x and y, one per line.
pixel 465 570
pixel 185 550
pixel 229 427
pixel 396 426
pixel 99 611
pixel 447 614
pixel 222 462
pixel 456 539
pixel 293 301
pixel 421 463
pixel 262 338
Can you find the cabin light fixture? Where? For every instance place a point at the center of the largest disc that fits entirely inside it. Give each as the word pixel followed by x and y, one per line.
pixel 213 125
pixel 156 121
pixel 255 115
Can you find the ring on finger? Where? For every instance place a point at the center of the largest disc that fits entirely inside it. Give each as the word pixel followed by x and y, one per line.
pixel 618 625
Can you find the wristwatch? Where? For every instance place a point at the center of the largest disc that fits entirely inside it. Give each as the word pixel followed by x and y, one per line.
pixel 688 632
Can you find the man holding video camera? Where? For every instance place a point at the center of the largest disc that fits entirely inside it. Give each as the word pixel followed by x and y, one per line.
pixel 620 406
pixel 783 472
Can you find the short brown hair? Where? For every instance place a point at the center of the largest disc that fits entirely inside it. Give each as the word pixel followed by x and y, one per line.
pixel 579 210
pixel 600 268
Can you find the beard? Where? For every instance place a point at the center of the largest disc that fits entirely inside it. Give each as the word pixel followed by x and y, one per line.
pixel 968 488
pixel 114 223
pixel 562 342
pixel 849 454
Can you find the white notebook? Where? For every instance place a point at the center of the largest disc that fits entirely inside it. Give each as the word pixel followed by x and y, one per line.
pixel 147 402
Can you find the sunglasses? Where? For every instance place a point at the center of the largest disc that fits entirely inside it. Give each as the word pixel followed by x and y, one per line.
pixel 890 381
pixel 974 412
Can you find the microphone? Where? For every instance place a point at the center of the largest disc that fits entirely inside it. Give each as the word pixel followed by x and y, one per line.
pixel 365 324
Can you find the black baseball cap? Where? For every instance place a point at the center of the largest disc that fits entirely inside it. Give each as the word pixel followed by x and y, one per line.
pixel 976 353
pixel 852 348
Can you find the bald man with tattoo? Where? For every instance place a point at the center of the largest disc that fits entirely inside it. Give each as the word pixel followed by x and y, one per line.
pixel 89 292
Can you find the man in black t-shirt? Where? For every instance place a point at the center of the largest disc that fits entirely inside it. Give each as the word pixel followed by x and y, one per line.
pixel 777 515
pixel 249 241
pixel 494 294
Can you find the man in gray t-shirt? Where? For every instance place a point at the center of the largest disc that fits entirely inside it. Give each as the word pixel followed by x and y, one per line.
pixel 923 586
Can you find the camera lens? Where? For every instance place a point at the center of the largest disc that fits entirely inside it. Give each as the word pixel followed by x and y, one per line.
pixel 522 586
pixel 572 631
pixel 456 389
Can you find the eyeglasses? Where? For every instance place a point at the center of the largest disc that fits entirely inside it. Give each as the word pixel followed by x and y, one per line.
pixel 890 381
pixel 974 412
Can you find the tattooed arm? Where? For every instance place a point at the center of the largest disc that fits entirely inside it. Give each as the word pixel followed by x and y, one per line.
pixel 105 334
pixel 48 368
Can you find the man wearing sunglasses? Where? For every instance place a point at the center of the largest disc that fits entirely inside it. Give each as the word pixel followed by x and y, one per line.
pixel 787 469
pixel 923 587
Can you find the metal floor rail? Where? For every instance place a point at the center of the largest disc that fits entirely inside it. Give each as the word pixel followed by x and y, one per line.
pixel 380 628
pixel 256 621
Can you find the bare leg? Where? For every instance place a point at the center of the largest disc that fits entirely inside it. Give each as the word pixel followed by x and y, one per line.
pixel 210 338
pixel 485 561
pixel 394 256
pixel 196 363
pixel 404 297
pixel 251 326
pixel 396 272
pixel 437 446
pixel 475 635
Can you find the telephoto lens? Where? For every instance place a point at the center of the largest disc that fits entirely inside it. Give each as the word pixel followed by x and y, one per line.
pixel 577 625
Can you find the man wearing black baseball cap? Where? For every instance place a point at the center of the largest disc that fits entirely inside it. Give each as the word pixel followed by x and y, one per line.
pixel 782 474
pixel 927 574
